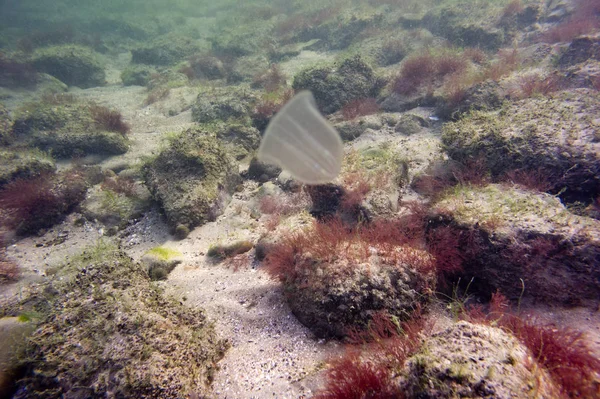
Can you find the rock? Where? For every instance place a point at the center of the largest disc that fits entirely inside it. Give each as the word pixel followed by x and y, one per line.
pixel 13 343
pixel 136 75
pixel 552 135
pixel 133 339
pixel 23 164
pixel 262 172
pixel 160 261
pixel 193 178
pixel 5 126
pixel 336 85
pixel 482 96
pixel 580 50
pixel 333 295
pixel 474 361
pixel 113 208
pixel 466 24
pixel 349 130
pixel 165 50
pixel 524 244
pixel 72 64
pixel 68 128
pixel 410 124
pixel 222 105
pixel 241 140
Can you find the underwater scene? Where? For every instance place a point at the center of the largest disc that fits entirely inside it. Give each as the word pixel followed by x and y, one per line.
pixel 327 199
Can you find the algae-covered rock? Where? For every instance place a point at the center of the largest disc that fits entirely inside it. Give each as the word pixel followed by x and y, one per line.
pixel 467 24
pixel 166 50
pixel 223 105
pixel 335 280
pixel 14 332
pixel 70 128
pixel 336 85
pixel 5 126
pixel 115 208
pixel 524 244
pixel 23 164
pixel 580 50
pixel 136 75
pixel 485 96
pixel 241 140
pixel 330 298
pixel 160 261
pixel 108 331
pixel 192 178
pixel 71 64
pixel 557 136
pixel 474 361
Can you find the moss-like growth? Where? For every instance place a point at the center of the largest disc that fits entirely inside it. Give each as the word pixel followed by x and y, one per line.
pixel 164 253
pixel 551 135
pixel 160 261
pixel 66 128
pixel 466 360
pixel 24 164
pixel 5 126
pixel 73 65
pixel 224 105
pixel 336 85
pixel 138 75
pixel 467 24
pixel 522 243
pixel 192 178
pixel 221 251
pixel 132 340
pixel 166 50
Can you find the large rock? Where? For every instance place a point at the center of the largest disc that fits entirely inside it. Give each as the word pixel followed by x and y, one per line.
pixel 23 164
pixel 554 135
pixel 524 244
pixel 165 50
pixel 107 331
pixel 475 361
pixel 192 178
pixel 68 128
pixel 71 64
pixel 223 105
pixel 336 281
pixel 336 85
pixel 467 24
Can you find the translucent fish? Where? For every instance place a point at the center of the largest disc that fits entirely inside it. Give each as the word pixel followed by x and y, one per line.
pixel 300 140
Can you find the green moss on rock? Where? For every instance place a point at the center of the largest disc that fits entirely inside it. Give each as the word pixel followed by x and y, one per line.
pixel 71 64
pixel 23 164
pixel 555 135
pixel 192 178
pixel 65 129
pixel 336 85
pixel 109 331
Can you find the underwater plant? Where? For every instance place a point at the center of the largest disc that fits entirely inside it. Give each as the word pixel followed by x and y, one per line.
pixel 561 351
pixel 109 119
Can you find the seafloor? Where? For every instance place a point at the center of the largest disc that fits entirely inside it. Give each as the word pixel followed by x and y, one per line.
pixel 147 253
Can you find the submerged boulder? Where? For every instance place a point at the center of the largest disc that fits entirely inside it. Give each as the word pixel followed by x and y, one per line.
pixel 467 24
pixel 336 85
pixel 524 244
pixel 475 361
pixel 23 164
pixel 67 127
pixel 72 64
pixel 223 105
pixel 192 178
pixel 556 135
pixel 106 331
